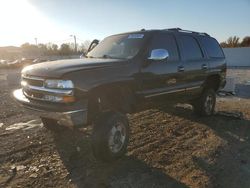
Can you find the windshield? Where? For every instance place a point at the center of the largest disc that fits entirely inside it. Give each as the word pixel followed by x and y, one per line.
pixel 124 46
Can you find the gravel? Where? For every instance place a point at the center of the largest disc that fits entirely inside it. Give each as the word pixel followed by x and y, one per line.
pixel 169 147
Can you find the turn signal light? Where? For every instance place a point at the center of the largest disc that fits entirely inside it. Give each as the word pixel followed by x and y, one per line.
pixel 68 99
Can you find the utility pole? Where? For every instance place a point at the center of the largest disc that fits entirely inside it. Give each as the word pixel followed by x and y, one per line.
pixel 36 41
pixel 75 42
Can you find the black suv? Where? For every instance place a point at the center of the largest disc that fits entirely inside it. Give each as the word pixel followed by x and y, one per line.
pixel 117 75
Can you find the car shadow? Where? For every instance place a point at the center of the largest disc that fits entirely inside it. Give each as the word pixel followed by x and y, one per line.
pixel 228 170
pixel 231 167
pixel 85 171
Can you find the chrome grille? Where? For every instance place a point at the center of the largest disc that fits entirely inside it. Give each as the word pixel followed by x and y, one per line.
pixel 34 89
pixel 33 82
pixel 33 95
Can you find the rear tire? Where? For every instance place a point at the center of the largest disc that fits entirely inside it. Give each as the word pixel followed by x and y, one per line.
pixel 205 104
pixel 110 136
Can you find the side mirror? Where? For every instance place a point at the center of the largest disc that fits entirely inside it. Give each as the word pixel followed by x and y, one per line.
pixel 158 54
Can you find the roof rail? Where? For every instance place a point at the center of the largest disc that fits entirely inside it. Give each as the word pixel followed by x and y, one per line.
pixel 174 29
pixel 186 31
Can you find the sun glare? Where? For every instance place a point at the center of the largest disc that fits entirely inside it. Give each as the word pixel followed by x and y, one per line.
pixel 21 22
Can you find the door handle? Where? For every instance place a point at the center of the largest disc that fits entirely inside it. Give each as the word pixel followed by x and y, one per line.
pixel 181 69
pixel 204 66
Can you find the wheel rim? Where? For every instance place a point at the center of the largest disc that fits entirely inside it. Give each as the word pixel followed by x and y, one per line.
pixel 117 137
pixel 209 103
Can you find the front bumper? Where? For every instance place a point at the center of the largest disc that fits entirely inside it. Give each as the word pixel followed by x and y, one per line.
pixel 68 115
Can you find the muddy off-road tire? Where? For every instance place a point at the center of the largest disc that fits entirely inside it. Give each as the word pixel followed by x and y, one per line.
pixel 205 104
pixel 51 125
pixel 110 136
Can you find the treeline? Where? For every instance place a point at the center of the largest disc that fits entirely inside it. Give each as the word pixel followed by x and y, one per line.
pixel 53 49
pixel 234 42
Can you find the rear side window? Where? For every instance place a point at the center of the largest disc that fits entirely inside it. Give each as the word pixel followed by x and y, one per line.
pixel 191 48
pixel 165 41
pixel 212 47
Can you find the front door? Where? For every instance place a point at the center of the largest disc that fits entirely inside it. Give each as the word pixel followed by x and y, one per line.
pixel 161 77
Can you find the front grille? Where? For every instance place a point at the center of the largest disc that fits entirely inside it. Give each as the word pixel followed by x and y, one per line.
pixel 33 95
pixel 33 81
pixel 34 89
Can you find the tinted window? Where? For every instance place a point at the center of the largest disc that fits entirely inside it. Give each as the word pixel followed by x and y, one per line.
pixel 125 46
pixel 212 47
pixel 165 41
pixel 191 48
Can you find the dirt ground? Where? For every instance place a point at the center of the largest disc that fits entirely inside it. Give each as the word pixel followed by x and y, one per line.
pixel 169 147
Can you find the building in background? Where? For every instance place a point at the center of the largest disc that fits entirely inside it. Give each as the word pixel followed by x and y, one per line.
pixel 237 57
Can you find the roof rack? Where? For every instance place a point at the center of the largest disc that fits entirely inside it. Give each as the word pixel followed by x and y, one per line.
pixel 186 31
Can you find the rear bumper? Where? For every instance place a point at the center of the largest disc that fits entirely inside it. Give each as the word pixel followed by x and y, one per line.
pixel 67 115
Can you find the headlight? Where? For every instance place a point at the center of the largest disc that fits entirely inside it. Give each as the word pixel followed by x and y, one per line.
pixel 59 84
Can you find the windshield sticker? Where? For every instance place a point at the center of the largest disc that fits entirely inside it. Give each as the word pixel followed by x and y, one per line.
pixel 135 36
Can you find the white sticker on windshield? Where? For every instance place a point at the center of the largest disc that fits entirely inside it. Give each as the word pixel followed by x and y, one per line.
pixel 136 36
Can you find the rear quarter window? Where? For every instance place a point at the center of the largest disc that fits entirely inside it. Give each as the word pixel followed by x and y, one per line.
pixel 212 47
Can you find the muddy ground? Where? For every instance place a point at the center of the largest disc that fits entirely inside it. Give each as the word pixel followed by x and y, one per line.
pixel 169 147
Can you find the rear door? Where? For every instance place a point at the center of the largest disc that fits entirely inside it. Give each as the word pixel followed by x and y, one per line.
pixel 162 77
pixel 195 65
pixel 216 57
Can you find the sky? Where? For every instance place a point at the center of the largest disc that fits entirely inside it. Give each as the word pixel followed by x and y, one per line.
pixel 55 20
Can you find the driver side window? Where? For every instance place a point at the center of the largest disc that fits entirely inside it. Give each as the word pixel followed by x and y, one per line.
pixel 167 42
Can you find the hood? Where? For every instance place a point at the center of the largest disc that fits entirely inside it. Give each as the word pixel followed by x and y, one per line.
pixel 56 69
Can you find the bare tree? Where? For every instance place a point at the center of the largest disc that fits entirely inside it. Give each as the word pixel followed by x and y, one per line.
pixel 233 42
pixel 65 49
pixel 223 44
pixel 245 42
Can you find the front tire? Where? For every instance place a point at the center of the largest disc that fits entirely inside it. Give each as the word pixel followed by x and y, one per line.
pixel 205 104
pixel 51 124
pixel 110 136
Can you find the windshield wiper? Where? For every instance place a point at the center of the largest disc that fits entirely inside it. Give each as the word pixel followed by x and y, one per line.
pixel 111 57
pixel 107 56
pixel 89 56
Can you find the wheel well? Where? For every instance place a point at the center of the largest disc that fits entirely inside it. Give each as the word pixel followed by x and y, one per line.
pixel 110 97
pixel 213 81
